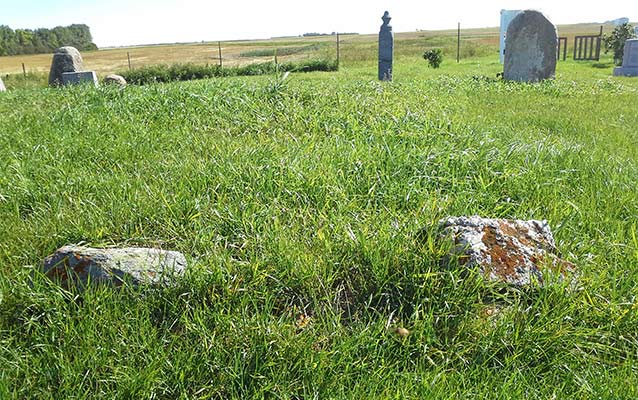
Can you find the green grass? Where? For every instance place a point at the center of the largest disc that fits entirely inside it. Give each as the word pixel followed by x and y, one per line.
pixel 304 196
pixel 283 51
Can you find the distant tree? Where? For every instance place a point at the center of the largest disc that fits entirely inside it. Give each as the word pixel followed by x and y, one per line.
pixel 27 41
pixel 616 41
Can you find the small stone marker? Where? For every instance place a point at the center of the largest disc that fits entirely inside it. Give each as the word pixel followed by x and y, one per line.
pixel 510 251
pixel 79 78
pixel 386 48
pixel 2 87
pixel 115 80
pixel 65 59
pixel 530 48
pixel 506 17
pixel 629 60
pixel 76 266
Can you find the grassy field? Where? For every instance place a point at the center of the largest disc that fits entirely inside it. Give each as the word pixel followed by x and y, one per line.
pixel 475 43
pixel 298 203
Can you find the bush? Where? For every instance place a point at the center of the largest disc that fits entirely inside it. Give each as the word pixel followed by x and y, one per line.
pixel 616 41
pixel 434 57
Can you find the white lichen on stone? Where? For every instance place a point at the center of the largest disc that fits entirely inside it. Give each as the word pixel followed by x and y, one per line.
pixel 76 266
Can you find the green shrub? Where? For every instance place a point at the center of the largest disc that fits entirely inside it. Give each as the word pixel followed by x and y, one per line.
pixel 616 41
pixel 434 57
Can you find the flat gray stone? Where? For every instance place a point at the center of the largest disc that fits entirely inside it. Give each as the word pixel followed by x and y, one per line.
pixel 2 87
pixel 514 252
pixel 65 59
pixel 115 80
pixel 76 266
pixel 629 60
pixel 79 78
pixel 386 48
pixel 530 48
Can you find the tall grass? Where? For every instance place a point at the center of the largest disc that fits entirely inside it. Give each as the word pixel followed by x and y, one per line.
pixel 186 72
pixel 298 203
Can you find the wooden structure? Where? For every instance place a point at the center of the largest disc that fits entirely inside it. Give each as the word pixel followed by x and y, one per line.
pixel 562 45
pixel 587 47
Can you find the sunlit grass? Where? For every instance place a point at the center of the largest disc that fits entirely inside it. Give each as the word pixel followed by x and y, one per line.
pixel 298 203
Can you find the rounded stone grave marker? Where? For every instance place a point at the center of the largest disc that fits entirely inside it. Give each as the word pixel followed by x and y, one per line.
pixel 530 48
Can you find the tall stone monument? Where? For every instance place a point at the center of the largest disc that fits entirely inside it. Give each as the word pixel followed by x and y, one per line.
pixel 530 48
pixel 65 59
pixel 386 48
pixel 506 17
pixel 629 60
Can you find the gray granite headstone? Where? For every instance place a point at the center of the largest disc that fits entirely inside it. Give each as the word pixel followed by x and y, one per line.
pixel 629 60
pixel 530 48
pixel 386 48
pixel 2 87
pixel 65 59
pixel 78 78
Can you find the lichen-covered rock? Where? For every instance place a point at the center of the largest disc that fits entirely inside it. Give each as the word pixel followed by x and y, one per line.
pixel 65 59
pixel 515 252
pixel 115 80
pixel 76 266
pixel 2 87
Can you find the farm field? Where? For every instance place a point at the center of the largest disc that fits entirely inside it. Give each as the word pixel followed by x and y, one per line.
pixel 308 206
pixel 354 48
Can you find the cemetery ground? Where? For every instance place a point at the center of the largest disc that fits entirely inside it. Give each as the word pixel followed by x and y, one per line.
pixel 308 207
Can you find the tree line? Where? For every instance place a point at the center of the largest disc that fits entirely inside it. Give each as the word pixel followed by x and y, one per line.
pixel 27 41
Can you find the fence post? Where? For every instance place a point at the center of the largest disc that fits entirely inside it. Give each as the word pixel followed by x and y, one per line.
pixel 458 44
pixel 276 63
pixel 600 38
pixel 24 70
pixel 338 50
pixel 128 56
pixel 219 46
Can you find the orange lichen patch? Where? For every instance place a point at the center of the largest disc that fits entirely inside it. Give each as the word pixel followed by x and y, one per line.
pixel 504 261
pixel 59 272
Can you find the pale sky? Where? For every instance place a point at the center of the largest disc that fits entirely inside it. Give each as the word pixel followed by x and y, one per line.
pixel 130 22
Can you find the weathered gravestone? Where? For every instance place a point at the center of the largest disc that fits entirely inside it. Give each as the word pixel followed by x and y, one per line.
pixel 629 60
pixel 514 252
pixel 78 78
pixel 65 59
pixel 530 48
pixel 76 266
pixel 386 48
pixel 2 87
pixel 115 80
pixel 506 17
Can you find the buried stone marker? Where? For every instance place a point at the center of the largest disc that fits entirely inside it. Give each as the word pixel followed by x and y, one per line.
pixel 629 60
pixel 115 80
pixel 515 252
pixel 78 78
pixel 530 48
pixel 386 48
pixel 65 59
pixel 76 266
